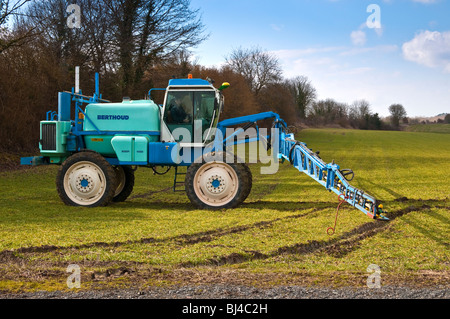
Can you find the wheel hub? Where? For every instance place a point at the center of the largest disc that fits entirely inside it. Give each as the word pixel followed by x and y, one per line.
pixel 84 183
pixel 215 184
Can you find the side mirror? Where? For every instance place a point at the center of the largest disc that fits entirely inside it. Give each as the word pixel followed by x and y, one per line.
pixel 224 86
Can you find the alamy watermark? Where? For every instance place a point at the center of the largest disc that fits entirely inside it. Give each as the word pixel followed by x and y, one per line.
pixel 74 280
pixel 238 145
pixel 374 20
pixel 74 19
pixel 374 279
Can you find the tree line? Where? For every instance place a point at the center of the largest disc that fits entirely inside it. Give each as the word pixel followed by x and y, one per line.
pixel 137 45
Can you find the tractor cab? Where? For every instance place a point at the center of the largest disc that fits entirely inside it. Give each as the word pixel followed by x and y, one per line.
pixel 191 111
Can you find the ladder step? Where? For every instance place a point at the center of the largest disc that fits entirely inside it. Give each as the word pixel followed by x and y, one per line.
pixel 177 184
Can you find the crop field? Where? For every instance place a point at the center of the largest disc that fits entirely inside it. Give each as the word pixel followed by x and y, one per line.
pixel 277 237
pixel 431 128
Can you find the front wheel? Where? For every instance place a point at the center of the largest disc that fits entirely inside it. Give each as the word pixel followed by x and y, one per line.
pixel 217 185
pixel 86 179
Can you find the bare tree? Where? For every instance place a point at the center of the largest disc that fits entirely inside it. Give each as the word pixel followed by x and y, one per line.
pixel 258 67
pixel 178 65
pixel 327 111
pixel 147 30
pixel 358 110
pixel 398 113
pixel 9 8
pixel 8 38
pixel 278 98
pixel 124 37
pixel 303 92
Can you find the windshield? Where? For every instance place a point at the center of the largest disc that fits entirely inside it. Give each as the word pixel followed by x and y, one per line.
pixel 186 108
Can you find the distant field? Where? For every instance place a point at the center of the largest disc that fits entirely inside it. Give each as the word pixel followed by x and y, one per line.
pixel 431 128
pixel 277 237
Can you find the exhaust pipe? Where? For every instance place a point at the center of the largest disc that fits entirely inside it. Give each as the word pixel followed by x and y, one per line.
pixel 77 80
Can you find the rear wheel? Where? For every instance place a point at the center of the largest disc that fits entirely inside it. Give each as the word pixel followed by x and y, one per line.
pixel 86 179
pixel 217 185
pixel 125 183
pixel 249 184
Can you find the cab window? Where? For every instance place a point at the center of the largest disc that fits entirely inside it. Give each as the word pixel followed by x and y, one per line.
pixel 185 109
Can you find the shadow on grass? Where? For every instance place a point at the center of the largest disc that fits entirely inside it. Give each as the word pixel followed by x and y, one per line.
pixel 432 233
pixel 365 182
pixel 337 247
pixel 287 205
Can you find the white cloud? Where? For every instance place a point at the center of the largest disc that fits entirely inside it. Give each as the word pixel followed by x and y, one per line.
pixel 353 71
pixel 376 49
pixel 428 48
pixel 425 1
pixel 289 54
pixel 358 37
pixel 277 27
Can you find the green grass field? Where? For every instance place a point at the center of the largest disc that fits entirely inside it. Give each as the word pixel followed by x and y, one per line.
pixel 430 128
pixel 278 236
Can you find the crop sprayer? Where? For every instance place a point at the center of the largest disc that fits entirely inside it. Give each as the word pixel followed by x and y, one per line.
pixel 99 150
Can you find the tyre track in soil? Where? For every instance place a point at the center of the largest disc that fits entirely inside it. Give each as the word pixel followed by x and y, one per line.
pixel 183 239
pixel 337 247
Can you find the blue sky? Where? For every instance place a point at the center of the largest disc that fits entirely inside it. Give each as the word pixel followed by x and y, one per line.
pixel 405 61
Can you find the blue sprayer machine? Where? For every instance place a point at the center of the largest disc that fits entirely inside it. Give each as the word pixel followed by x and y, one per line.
pixel 99 145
